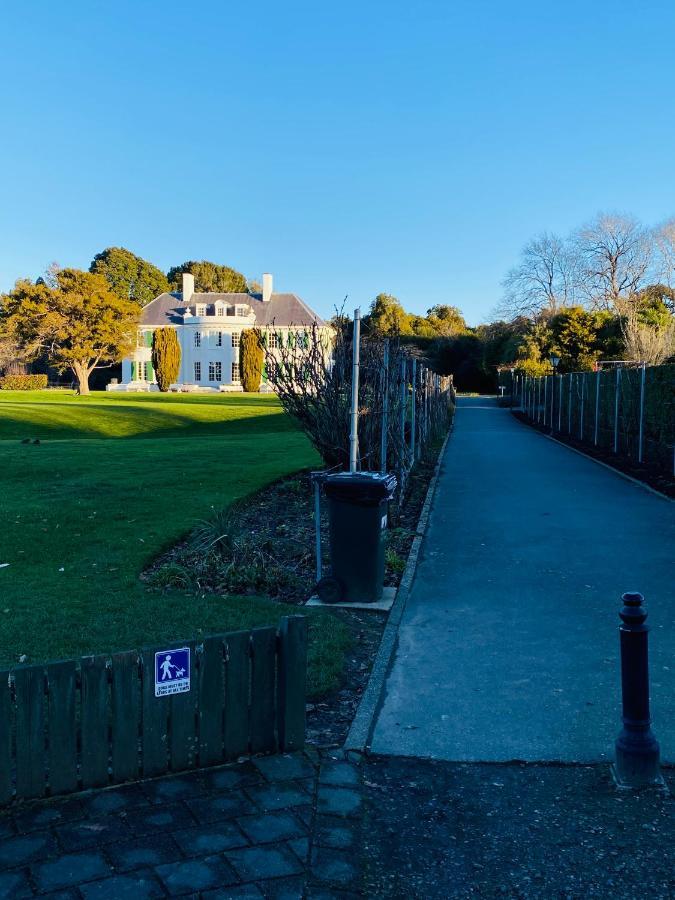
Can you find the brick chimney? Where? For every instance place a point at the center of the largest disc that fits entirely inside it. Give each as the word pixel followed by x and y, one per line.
pixel 267 288
pixel 188 286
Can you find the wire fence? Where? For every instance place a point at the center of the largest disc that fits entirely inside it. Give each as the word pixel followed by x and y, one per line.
pixel 628 410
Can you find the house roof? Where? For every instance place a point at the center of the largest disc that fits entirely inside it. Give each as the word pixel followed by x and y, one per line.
pixel 281 309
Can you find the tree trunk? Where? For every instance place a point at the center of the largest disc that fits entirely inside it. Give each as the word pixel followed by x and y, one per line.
pixel 82 374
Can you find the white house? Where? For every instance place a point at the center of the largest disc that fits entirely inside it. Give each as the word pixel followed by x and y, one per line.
pixel 209 326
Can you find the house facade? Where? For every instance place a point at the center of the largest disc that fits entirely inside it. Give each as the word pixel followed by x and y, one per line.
pixel 209 327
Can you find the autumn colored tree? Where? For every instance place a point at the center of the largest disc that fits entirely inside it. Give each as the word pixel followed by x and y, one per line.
pixel 77 324
pixel 165 357
pixel 250 361
pixel 129 276
pixel 209 276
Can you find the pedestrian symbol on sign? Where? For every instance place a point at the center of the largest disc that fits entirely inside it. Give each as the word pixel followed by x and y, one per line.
pixel 172 672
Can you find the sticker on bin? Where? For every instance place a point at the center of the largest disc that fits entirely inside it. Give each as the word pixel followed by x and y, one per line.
pixel 384 522
pixel 172 672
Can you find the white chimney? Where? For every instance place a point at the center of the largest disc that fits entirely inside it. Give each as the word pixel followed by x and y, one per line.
pixel 267 287
pixel 188 286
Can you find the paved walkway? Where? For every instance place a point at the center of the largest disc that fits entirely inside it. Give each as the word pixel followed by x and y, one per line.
pixel 508 647
pixel 278 826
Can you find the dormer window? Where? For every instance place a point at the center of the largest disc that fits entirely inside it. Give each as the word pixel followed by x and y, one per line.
pixel 201 310
pixel 241 311
pixel 220 310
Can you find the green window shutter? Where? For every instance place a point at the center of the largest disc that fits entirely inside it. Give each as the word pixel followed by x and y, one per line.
pixel 148 339
pixel 264 373
pixel 133 371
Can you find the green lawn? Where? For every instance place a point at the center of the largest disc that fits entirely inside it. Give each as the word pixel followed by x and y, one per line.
pixel 114 480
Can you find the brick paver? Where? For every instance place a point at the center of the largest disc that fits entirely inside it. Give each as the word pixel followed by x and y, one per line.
pixel 282 826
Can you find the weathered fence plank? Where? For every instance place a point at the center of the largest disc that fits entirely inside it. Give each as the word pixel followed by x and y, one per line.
pixel 6 787
pixel 183 723
pixel 211 700
pixel 292 683
pixel 263 678
pixel 29 687
pixel 155 721
pixel 95 713
pixel 125 697
pixel 237 686
pixel 61 731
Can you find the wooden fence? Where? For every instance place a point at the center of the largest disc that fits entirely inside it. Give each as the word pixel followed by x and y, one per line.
pixel 77 724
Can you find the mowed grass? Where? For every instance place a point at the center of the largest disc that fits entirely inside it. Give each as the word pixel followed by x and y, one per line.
pixel 114 481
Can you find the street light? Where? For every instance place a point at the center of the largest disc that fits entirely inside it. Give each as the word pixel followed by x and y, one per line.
pixel 555 362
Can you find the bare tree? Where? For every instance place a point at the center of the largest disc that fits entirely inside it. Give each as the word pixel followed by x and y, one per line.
pixel 615 254
pixel 545 279
pixel 664 237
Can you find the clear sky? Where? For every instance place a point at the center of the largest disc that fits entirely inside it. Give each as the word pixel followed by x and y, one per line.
pixel 348 147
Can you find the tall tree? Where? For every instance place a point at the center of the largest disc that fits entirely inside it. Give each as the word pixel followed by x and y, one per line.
pixel 79 324
pixel 250 360
pixel 445 320
pixel 165 357
pixel 209 276
pixel 387 317
pixel 130 277
pixel 544 280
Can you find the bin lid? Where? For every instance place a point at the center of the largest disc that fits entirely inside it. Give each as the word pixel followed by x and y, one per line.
pixel 361 487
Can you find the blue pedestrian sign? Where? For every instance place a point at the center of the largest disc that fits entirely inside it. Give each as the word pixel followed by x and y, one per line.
pixel 172 672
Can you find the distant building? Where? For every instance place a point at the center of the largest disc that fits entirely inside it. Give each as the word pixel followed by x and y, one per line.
pixel 209 327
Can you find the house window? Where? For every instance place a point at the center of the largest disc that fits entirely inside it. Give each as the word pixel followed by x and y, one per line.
pixel 220 310
pixel 198 371
pixel 219 338
pixel 198 338
pixel 235 338
pixel 235 372
pixel 201 310
pixel 241 310
pixel 303 340
pixel 215 371
pixel 273 340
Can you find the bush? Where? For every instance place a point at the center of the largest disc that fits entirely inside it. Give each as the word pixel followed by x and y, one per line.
pixel 23 382
pixel 251 361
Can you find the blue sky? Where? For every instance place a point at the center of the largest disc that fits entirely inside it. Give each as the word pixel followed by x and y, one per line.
pixel 349 148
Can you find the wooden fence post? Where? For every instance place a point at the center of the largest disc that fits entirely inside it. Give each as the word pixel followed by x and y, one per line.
pixel 292 683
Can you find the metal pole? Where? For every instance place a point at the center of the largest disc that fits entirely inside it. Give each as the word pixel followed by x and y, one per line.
pixel 643 374
pixel 560 405
pixel 385 408
pixel 569 404
pixel 616 409
pixel 404 406
pixel 413 412
pixel 317 528
pixel 539 410
pixel 637 750
pixel 597 406
pixel 354 428
pixel 545 397
pixel 581 413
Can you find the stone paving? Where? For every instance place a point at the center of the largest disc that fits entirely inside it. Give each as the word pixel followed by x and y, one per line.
pixel 278 827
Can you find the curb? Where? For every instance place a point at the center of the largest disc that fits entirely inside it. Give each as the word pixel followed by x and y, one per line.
pixel 359 735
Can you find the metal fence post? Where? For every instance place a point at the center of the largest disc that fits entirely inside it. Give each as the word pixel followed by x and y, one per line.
pixel 617 391
pixel 597 406
pixel 560 405
pixel 637 750
pixel 385 408
pixel 643 375
pixel 569 404
pixel 413 413
pixel 545 398
pixel 581 411
pixel 404 407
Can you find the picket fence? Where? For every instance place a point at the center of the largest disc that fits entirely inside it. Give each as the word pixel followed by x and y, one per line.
pixel 77 724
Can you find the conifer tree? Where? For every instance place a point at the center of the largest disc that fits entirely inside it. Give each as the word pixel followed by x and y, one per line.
pixel 165 357
pixel 250 361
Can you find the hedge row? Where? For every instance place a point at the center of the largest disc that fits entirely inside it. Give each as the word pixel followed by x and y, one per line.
pixel 23 382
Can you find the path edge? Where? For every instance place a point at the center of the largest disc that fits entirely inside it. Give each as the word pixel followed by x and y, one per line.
pixel 360 731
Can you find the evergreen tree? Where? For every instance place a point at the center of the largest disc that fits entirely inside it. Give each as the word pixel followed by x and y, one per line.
pixel 165 357
pixel 250 361
pixel 209 276
pixel 130 277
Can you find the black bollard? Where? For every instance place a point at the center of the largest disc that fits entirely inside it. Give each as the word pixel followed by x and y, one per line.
pixel 637 750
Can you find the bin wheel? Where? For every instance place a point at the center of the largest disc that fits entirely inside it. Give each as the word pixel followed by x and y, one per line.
pixel 329 590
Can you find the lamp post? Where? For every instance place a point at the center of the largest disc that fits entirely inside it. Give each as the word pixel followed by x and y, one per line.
pixel 555 362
